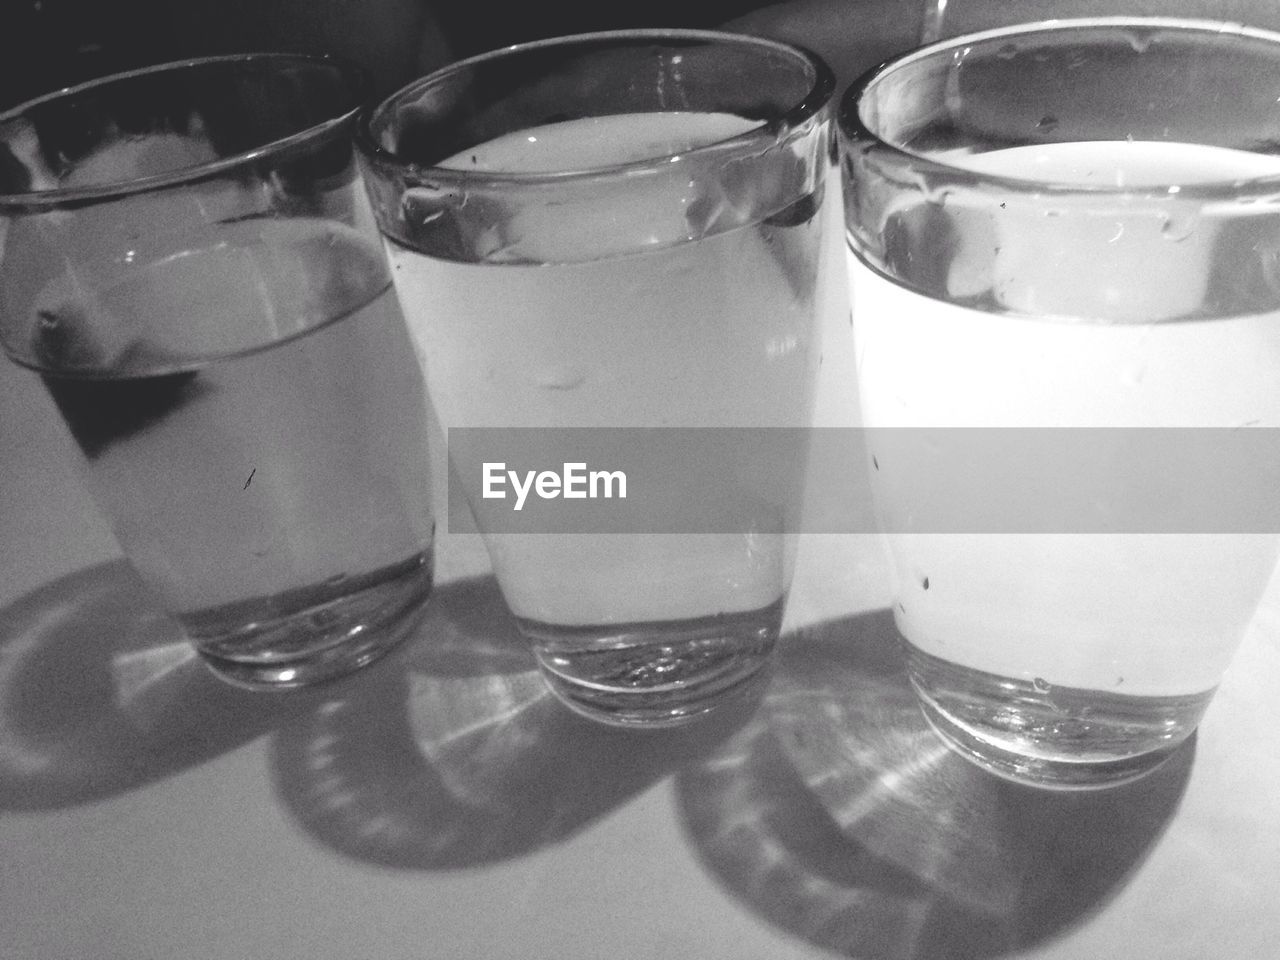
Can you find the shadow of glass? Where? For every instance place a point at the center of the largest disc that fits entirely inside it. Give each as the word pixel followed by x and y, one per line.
pixel 452 752
pixel 100 693
pixel 838 815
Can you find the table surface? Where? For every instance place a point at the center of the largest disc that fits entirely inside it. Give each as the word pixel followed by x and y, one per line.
pixel 441 804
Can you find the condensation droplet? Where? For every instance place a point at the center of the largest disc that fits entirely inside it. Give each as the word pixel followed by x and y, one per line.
pixel 1177 227
pixel 1133 374
pixel 940 196
pixel 1140 40
pixel 1041 684
pixel 422 205
pixel 561 378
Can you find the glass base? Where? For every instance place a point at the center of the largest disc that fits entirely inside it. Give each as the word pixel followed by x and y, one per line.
pixel 658 674
pixel 316 634
pixel 1045 735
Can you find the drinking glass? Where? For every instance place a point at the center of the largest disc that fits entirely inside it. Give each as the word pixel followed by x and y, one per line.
pixel 189 262
pixel 952 18
pixel 619 230
pixel 1068 225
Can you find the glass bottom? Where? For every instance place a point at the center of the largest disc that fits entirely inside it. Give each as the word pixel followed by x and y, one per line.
pixel 315 634
pixel 660 674
pixel 1045 735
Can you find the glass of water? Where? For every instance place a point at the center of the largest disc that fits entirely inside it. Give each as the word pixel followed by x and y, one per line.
pixel 189 262
pixel 1069 225
pixel 612 231
pixel 952 18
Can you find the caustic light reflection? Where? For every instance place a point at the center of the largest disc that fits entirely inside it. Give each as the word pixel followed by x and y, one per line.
pixel 839 816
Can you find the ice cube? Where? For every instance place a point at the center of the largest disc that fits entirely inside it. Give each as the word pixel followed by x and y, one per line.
pixel 70 331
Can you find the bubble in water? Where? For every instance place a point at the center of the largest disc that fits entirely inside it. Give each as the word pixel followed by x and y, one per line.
pixel 1048 123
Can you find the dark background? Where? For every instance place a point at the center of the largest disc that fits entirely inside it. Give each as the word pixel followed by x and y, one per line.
pixel 47 44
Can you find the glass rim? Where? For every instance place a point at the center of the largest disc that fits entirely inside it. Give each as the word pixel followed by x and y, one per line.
pixel 352 74
pixel 853 129
pixel 820 92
